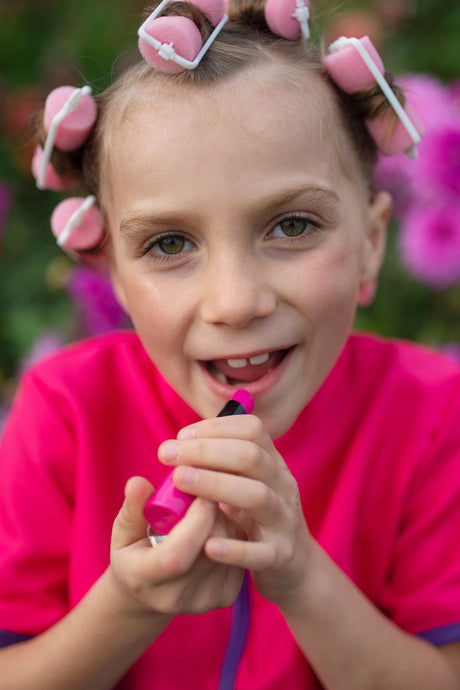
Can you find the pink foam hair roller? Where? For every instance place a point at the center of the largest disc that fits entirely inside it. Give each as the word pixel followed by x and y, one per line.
pixel 76 124
pixel 354 64
pixel 51 179
pixel 168 504
pixel 177 34
pixel 213 9
pixel 173 44
pixel 347 67
pixel 390 134
pixel 288 18
pixel 77 224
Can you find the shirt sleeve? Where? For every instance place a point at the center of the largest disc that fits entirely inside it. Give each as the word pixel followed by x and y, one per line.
pixel 422 593
pixel 36 478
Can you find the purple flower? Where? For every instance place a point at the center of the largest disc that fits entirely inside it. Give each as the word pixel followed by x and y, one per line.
pixel 4 412
pixel 394 174
pixel 46 343
pixel 430 243
pixel 451 351
pixel 95 301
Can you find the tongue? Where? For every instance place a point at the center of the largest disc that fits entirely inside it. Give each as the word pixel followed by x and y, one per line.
pixel 250 372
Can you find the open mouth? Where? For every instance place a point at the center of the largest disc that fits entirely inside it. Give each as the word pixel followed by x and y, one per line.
pixel 236 372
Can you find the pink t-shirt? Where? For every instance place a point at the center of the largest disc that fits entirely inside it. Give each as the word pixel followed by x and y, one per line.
pixel 376 454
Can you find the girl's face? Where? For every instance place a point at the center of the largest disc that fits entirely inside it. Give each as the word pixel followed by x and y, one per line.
pixel 239 240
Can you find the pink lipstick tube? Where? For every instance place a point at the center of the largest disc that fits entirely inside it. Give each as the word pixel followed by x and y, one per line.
pixel 168 504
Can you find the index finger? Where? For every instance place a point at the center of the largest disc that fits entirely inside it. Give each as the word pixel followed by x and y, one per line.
pixel 244 427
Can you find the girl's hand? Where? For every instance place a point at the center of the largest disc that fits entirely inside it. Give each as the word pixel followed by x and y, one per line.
pixel 177 576
pixel 232 461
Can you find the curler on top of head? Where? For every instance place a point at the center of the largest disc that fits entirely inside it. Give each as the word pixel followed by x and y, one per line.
pixel 288 18
pixel 177 35
pixel 77 120
pixel 172 43
pixel 213 9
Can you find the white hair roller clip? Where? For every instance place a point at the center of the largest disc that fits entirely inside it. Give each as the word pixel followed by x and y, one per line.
pixel 302 14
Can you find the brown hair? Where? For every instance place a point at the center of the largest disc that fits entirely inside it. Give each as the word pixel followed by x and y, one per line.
pixel 244 42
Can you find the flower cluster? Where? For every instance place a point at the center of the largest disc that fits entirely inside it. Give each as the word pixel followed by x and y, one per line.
pixel 427 191
pixel 95 301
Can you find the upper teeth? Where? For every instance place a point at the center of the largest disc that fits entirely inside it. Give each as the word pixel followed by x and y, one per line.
pixel 240 363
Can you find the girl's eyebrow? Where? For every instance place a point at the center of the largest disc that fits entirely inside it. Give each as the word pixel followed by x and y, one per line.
pixel 316 195
pixel 135 223
pixel 322 198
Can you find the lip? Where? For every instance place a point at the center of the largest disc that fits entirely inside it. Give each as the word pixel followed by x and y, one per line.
pixel 256 388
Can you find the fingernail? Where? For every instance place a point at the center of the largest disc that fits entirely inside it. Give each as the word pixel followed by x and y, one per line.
pixel 187 475
pixel 217 548
pixel 186 433
pixel 168 451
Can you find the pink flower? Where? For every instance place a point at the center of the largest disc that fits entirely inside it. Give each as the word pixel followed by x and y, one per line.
pixel 95 301
pixel 430 243
pixel 433 100
pixel 455 93
pixel 437 171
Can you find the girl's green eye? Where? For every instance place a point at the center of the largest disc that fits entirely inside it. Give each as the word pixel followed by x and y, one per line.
pixel 292 227
pixel 171 245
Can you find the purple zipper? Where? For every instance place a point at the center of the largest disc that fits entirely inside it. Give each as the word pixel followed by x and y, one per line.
pixel 238 635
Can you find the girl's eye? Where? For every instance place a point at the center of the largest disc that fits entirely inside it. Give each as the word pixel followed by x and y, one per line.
pixel 293 227
pixel 171 245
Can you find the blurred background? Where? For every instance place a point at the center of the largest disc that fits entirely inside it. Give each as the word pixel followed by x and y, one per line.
pixel 46 300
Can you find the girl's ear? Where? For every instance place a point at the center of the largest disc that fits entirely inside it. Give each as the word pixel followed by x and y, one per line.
pixel 379 213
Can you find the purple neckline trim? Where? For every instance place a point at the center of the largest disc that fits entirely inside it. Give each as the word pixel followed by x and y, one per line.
pixel 238 635
pixel 444 635
pixel 8 638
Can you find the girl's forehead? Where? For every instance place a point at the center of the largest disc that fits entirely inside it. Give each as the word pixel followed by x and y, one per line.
pixel 259 100
pixel 238 121
pixel 263 83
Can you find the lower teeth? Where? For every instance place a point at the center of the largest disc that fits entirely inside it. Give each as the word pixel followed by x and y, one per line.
pixel 220 376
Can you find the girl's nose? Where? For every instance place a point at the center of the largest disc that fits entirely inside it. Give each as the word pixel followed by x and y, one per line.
pixel 235 293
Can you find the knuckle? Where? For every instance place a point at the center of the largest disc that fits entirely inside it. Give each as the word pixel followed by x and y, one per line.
pixel 174 566
pixel 256 426
pixel 253 458
pixel 199 448
pixel 263 496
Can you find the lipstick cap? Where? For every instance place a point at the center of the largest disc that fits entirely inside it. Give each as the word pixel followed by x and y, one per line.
pixel 168 506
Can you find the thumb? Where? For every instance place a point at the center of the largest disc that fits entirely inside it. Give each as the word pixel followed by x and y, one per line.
pixel 130 523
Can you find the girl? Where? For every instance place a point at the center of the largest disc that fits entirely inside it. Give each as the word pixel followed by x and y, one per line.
pixel 236 215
